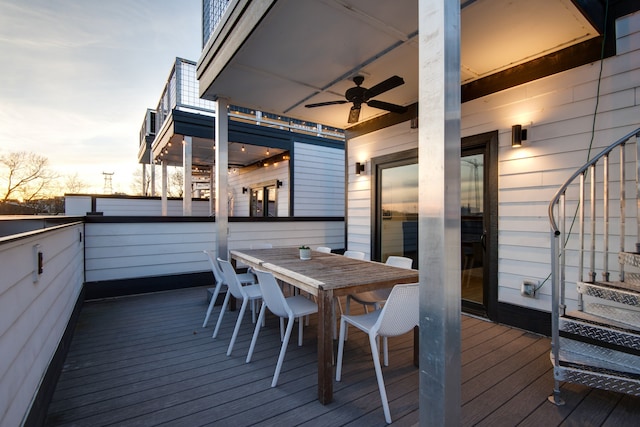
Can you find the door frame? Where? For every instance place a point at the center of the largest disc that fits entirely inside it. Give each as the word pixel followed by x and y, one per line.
pixel 400 157
pixel 488 140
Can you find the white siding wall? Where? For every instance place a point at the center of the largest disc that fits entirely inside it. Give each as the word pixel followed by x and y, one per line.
pixel 558 112
pixel 33 316
pixel 283 234
pixel 319 180
pixel 124 251
pixel 148 207
pixel 127 206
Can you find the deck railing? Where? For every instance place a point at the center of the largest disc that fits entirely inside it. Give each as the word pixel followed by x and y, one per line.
pixel 593 231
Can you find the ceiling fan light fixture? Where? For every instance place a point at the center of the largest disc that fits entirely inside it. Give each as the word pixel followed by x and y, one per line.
pixel 354 114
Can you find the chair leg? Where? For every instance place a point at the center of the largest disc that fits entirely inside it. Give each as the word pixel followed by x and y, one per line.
pixel 336 301
pixel 245 302
pixel 222 310
pixel 300 331
pixel 383 392
pixel 283 351
pixel 261 316
pixel 211 304
pixel 343 334
pixel 385 350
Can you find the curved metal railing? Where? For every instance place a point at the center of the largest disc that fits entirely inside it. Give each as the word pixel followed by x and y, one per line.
pixel 559 233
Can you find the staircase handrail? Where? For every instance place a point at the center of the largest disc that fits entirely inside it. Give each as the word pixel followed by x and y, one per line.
pixel 558 250
pixel 568 182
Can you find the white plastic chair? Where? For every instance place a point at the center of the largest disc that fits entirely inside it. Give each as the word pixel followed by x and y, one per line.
pixel 378 296
pixel 354 254
pixel 398 316
pixel 290 308
pixel 244 293
pixel 324 249
pixel 244 278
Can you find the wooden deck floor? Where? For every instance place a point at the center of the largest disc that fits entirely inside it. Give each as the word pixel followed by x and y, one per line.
pixel 146 360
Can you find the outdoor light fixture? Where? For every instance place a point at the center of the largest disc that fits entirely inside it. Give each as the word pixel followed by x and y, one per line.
pixel 278 183
pixel 359 168
pixel 242 148
pixel 518 135
pixel 244 190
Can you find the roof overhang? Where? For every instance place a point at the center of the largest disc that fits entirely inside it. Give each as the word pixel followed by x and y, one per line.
pixel 279 55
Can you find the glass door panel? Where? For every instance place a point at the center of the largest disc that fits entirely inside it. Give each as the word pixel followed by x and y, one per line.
pixel 399 208
pixel 472 227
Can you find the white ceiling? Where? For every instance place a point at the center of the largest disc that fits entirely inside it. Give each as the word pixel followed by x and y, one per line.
pixel 307 51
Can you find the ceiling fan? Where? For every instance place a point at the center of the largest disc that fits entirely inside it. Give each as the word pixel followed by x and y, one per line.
pixel 359 95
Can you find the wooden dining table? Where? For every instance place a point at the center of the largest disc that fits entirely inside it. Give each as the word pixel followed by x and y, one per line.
pixel 325 276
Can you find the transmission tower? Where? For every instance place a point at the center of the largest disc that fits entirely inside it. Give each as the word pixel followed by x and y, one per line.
pixel 108 188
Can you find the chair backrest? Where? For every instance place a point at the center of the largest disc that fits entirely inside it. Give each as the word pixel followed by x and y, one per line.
pixel 400 261
pixel 400 313
pixel 215 268
pixel 354 254
pixel 231 279
pixel 272 294
pixel 261 245
pixel 325 249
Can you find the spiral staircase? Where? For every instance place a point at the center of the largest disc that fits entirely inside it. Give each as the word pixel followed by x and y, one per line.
pixel 595 311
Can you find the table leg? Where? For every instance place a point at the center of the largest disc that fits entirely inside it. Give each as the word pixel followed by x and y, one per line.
pixel 416 346
pixel 325 347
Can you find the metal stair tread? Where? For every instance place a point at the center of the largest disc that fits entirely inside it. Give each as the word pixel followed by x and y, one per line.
pixel 587 328
pixel 627 285
pixel 582 353
pixel 603 322
pixel 598 370
pixel 619 292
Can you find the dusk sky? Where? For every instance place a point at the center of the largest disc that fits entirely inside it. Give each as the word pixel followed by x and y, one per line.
pixel 78 75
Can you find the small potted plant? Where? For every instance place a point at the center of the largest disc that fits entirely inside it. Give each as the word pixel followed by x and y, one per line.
pixel 305 252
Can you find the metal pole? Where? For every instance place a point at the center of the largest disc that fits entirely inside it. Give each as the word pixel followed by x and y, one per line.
pixel 439 211
pixel 165 180
pixel 221 176
pixel 605 199
pixel 187 162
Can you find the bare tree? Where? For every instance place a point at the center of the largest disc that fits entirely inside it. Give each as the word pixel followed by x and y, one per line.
pixel 138 187
pixel 24 176
pixel 73 184
pixel 175 184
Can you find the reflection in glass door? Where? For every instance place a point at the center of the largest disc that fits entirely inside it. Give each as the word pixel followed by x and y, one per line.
pixel 399 207
pixel 472 226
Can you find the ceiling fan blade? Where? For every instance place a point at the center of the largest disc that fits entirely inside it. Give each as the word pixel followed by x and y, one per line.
pixel 354 114
pixel 322 104
pixel 394 108
pixel 390 83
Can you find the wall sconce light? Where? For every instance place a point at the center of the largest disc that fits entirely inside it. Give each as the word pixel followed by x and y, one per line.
pixel 244 190
pixel 518 135
pixel 278 183
pixel 359 168
pixel 414 123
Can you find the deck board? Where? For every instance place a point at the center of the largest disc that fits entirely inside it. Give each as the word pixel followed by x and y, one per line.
pixel 145 360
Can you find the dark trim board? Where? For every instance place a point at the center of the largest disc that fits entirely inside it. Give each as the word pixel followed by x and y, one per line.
pixel 286 219
pixel 99 219
pixel 141 285
pixel 525 318
pixel 39 407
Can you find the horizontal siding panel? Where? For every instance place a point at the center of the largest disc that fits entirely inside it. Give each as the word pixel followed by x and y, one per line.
pixel 33 316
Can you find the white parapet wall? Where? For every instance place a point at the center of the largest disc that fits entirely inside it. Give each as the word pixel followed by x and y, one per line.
pixel 37 299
